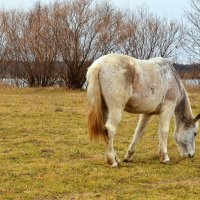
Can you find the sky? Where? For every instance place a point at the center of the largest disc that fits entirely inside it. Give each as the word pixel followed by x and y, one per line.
pixel 170 9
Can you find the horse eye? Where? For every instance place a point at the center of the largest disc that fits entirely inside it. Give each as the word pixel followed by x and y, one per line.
pixel 195 133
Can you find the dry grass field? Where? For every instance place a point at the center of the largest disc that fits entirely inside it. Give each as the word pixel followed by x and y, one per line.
pixel 45 153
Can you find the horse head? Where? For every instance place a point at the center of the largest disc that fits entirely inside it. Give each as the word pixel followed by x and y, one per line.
pixel 185 136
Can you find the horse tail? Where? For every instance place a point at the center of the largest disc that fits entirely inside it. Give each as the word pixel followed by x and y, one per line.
pixel 96 104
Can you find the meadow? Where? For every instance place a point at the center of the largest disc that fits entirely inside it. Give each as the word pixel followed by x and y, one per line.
pixel 45 153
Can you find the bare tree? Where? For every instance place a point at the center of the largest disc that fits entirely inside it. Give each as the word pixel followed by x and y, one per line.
pixel 3 42
pixel 193 30
pixel 56 43
pixel 87 32
pixel 33 38
pixel 145 36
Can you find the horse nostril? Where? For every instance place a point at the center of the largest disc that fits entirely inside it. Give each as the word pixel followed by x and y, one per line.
pixel 190 155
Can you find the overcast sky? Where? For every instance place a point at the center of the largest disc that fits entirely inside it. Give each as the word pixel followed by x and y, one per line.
pixel 171 9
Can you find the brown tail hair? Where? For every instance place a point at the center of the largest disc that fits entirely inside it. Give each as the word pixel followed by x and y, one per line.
pixel 96 105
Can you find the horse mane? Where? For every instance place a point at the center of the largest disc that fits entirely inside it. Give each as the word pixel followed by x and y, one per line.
pixel 183 110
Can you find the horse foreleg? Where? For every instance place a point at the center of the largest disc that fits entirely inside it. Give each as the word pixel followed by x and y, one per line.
pixel 139 132
pixel 114 118
pixel 165 117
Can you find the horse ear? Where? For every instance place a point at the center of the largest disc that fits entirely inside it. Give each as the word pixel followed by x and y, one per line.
pixel 197 118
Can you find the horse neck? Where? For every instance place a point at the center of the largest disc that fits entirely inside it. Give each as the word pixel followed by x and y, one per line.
pixel 183 111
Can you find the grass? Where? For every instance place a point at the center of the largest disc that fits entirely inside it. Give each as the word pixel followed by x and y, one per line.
pixel 45 153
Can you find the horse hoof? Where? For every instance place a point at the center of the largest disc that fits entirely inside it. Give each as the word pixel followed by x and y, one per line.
pixel 165 161
pixel 118 161
pixel 128 160
pixel 114 165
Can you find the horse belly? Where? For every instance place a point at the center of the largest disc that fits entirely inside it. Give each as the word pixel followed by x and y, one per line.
pixel 143 104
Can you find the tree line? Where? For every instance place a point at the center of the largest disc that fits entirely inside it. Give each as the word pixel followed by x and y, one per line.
pixel 54 44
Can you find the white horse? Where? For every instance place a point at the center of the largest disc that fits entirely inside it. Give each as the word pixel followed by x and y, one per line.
pixel 119 82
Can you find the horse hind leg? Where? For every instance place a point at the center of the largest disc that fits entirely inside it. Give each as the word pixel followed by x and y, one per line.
pixel 114 118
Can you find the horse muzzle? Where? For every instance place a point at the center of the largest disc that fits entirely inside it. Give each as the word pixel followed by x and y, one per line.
pixel 190 155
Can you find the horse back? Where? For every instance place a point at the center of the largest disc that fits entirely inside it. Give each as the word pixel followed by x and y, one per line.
pixel 138 86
